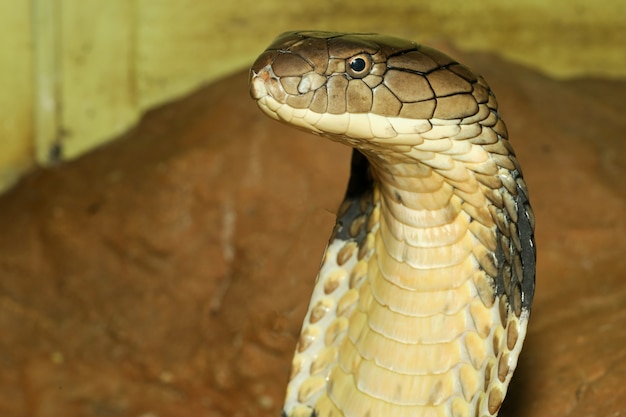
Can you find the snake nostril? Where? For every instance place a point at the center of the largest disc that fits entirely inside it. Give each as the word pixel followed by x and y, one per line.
pixel 258 87
pixel 264 75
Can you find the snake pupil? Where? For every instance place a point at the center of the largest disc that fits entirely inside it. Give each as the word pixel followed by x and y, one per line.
pixel 358 64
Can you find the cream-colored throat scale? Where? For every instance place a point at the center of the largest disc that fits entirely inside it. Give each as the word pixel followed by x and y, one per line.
pixel 422 300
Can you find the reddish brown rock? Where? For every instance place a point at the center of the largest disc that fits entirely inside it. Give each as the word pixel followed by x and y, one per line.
pixel 167 274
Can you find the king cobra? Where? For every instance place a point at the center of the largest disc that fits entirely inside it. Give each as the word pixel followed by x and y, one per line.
pixel 422 299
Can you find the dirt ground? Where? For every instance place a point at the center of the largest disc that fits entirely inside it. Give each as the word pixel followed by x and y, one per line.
pixel 167 273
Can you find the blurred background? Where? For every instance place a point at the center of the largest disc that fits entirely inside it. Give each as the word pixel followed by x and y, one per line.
pixel 159 236
pixel 77 73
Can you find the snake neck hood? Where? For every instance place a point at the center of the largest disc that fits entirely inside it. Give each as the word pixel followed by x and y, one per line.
pixel 421 304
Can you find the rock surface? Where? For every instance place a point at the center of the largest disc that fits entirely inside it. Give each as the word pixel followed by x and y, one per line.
pixel 167 274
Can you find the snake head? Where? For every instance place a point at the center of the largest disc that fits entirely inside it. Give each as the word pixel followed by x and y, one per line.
pixel 356 87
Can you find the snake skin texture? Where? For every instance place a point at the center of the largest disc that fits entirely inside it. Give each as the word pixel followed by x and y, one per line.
pixel 422 301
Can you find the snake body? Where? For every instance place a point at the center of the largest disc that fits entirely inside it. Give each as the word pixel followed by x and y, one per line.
pixel 422 300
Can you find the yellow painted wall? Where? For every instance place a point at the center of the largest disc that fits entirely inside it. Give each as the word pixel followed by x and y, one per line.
pixel 16 91
pixel 97 65
pixel 76 73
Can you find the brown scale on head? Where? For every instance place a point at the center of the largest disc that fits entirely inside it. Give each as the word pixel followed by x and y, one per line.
pixel 426 285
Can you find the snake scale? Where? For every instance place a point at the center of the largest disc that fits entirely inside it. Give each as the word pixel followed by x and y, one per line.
pixel 422 299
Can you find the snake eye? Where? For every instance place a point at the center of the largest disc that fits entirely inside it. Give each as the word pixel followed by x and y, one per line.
pixel 359 66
